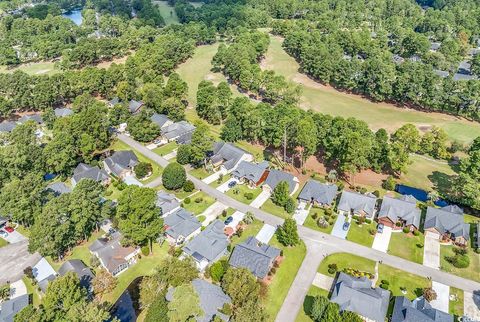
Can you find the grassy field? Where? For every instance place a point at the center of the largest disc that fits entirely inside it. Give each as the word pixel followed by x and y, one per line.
pixel 426 174
pixel 471 272
pixel 166 148
pixel 330 101
pixel 218 183
pixel 32 289
pixel 238 192
pixel 414 284
pixel 359 234
pixel 312 223
pixel 3 242
pixel 345 260
pixel 167 12
pixel 250 230
pixel 197 208
pixel 405 246
pixel 307 303
pixel 40 68
pixel 200 173
pixel 456 306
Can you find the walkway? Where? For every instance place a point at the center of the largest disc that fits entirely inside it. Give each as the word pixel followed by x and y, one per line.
pixel 261 199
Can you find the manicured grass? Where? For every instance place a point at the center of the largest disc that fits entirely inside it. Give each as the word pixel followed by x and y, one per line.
pixel 3 242
pixel 218 183
pixel 425 174
pixel 192 117
pixel 166 148
pixel 471 272
pixel 258 152
pixel 273 209
pixel 180 194
pixel 359 233
pixel 345 260
pixel 200 173
pixel 144 267
pixel 32 289
pixel 167 12
pixel 250 230
pixel 283 279
pixel 197 208
pixel 312 223
pixel 378 115
pixel 156 169
pixel 114 194
pixel 308 302
pixel 238 192
pixel 40 68
pixel 23 230
pixel 456 306
pixel 398 278
pixel 405 246
pixel 201 218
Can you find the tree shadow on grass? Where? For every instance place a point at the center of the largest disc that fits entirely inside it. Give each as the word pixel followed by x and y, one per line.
pixel 442 182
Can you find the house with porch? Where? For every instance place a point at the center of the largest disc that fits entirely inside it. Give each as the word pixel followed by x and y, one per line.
pixel 251 174
pixel 84 171
pixel 226 157
pixel 121 164
pixel 318 194
pixel 448 223
pixel 276 176
pixel 398 213
pixel 181 226
pixel 354 203
pixel 419 309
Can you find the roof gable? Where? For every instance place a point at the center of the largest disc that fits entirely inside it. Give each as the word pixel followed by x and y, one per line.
pixel 318 192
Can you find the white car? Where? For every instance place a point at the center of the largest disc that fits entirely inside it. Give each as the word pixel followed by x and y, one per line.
pixel 3 234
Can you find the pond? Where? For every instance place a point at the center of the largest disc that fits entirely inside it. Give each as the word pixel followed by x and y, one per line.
pixel 419 194
pixel 75 16
pixel 127 307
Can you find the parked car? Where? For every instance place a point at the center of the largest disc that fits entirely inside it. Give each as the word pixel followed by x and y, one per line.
pixel 111 231
pixel 232 184
pixel 228 220
pixel 380 228
pixel 346 225
pixel 9 229
pixel 3 234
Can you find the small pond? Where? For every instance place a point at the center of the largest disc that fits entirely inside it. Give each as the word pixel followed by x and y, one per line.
pixel 75 16
pixel 419 194
pixel 126 309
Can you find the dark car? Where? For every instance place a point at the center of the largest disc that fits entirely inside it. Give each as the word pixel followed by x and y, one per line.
pixel 228 220
pixel 380 228
pixel 232 184
pixel 346 225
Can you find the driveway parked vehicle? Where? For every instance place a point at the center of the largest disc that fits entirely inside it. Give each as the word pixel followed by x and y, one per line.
pixel 3 234
pixel 228 220
pixel 346 225
pixel 380 228
pixel 9 229
pixel 232 184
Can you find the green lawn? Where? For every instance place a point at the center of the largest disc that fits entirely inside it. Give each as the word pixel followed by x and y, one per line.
pixel 345 260
pixel 312 223
pixel 238 192
pixel 378 115
pixel 405 246
pixel 471 272
pixel 359 233
pixel 273 209
pixel 204 201
pixel 200 173
pixel 156 169
pixel 40 68
pixel 3 242
pixel 456 306
pixel 32 289
pixel 218 183
pixel 166 148
pixel 180 194
pixel 23 230
pixel 425 174
pixel 258 152
pixel 112 193
pixel 283 279
pixel 144 267
pixel 167 12
pixel 398 278
pixel 250 230
pixel 307 303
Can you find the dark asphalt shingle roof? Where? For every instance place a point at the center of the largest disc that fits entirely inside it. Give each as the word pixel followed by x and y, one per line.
pixel 160 119
pixel 447 219
pixel 111 252
pixel 209 244
pixel 418 310
pixel 59 188
pixel 318 192
pixel 178 130
pixel 80 269
pixel 404 208
pixel 250 171
pixel 181 223
pixel 227 153
pixel 254 256
pixel 7 126
pixel 84 171
pixel 62 112
pixel 277 176
pixel 358 202
pixel 134 106
pixel 121 161
pixel 167 202
pixel 37 118
pixel 357 295
pixel 10 308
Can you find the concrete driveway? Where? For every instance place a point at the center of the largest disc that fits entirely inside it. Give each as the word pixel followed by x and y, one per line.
pixel 212 212
pixel 338 227
pixel 301 213
pixel 266 233
pixel 323 281
pixel 443 296
pixel 14 259
pixel 14 237
pixel 471 305
pixel 261 198
pixel 237 218
pixel 431 250
pixel 213 177
pixel 381 241
pixel 224 186
pixel 17 289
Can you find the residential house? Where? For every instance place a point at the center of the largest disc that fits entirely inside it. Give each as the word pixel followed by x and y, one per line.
pixel 37 118
pixel 43 273
pixel 3 221
pixel 83 273
pixel 62 112
pixel 114 257
pixel 212 299
pixel 227 156
pixel 252 174
pixel 464 72
pixel 84 171
pixel 318 193
pixel 354 203
pixel 277 176
pixel 435 46
pixel 400 213
pixel 133 106
pixel 161 120
pixel 208 246
pixel 121 164
pixel 419 309
pixel 258 258
pixel 167 202
pixel 448 224
pixel 7 126
pixel 181 226
pixel 114 101
pixel 441 73
pixel 356 294
pixel 58 188
pixel 180 132
pixel 10 308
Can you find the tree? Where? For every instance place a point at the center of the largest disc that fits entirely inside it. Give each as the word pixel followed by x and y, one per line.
pixel 151 288
pixel 331 313
pixel 281 194
pixel 174 176
pixel 184 154
pixel 103 283
pixel 118 114
pixel 408 136
pixel 142 128
pixel 241 286
pixel 188 186
pixel 158 310
pixel 287 234
pixel 138 215
pixel 4 291
pixel 201 143
pixel 176 272
pixel 185 304
pixel 318 307
pixel 143 169
pixel 429 294
pixel 231 130
pixel 349 316
pixel 218 269
pixel 306 137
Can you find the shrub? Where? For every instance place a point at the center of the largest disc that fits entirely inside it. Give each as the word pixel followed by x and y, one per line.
pixel 329 212
pixel 363 190
pixel 290 206
pixel 361 220
pixel 460 251
pixel 416 232
pixel 224 213
pixel 461 261
pixel 372 231
pixel 143 169
pixel 398 224
pixel 220 178
pixel 368 221
pixel 314 215
pixel 332 268
pixel 248 195
pixel 198 199
pixel 429 294
pixel 121 186
pixel 249 218
pixel 188 186
pixel 384 286
pixel 217 270
pixel 187 200
pixel 389 183
pixel 376 193
pixel 94 261
pixel 145 250
pixel 340 185
pixel 406 230
pixel 419 245
pixel 385 282
pixel 322 223
pixel 108 193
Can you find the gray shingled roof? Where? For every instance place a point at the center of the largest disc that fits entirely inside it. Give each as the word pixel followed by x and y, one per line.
pixel 357 202
pixel 114 101
pixel 357 295
pixel 176 130
pixel 167 202
pixel 418 310
pixel 227 153
pixel 111 252
pixel 84 171
pixel 444 220
pixel 59 188
pixel 37 118
pixel 209 244
pixel 159 119
pixel 254 256
pixel 134 106
pixel 212 298
pixel 83 273
pixel 250 171
pixel 441 73
pixel 435 45
pixel 10 308
pixel 7 126
pixel 318 192
pixel 277 176
pixel 404 208
pixel 62 112
pixel 181 223
pixel 121 161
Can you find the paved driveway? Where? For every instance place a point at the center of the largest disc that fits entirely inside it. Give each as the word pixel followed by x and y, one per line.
pixel 261 198
pixel 323 281
pixel 17 289
pixel 431 250
pixel 224 186
pixel 471 305
pixel 266 233
pixel 14 259
pixel 338 227
pixel 301 213
pixel 213 177
pixel 443 296
pixel 212 212
pixel 382 240
pixel 170 155
pixel 14 237
pixel 237 218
